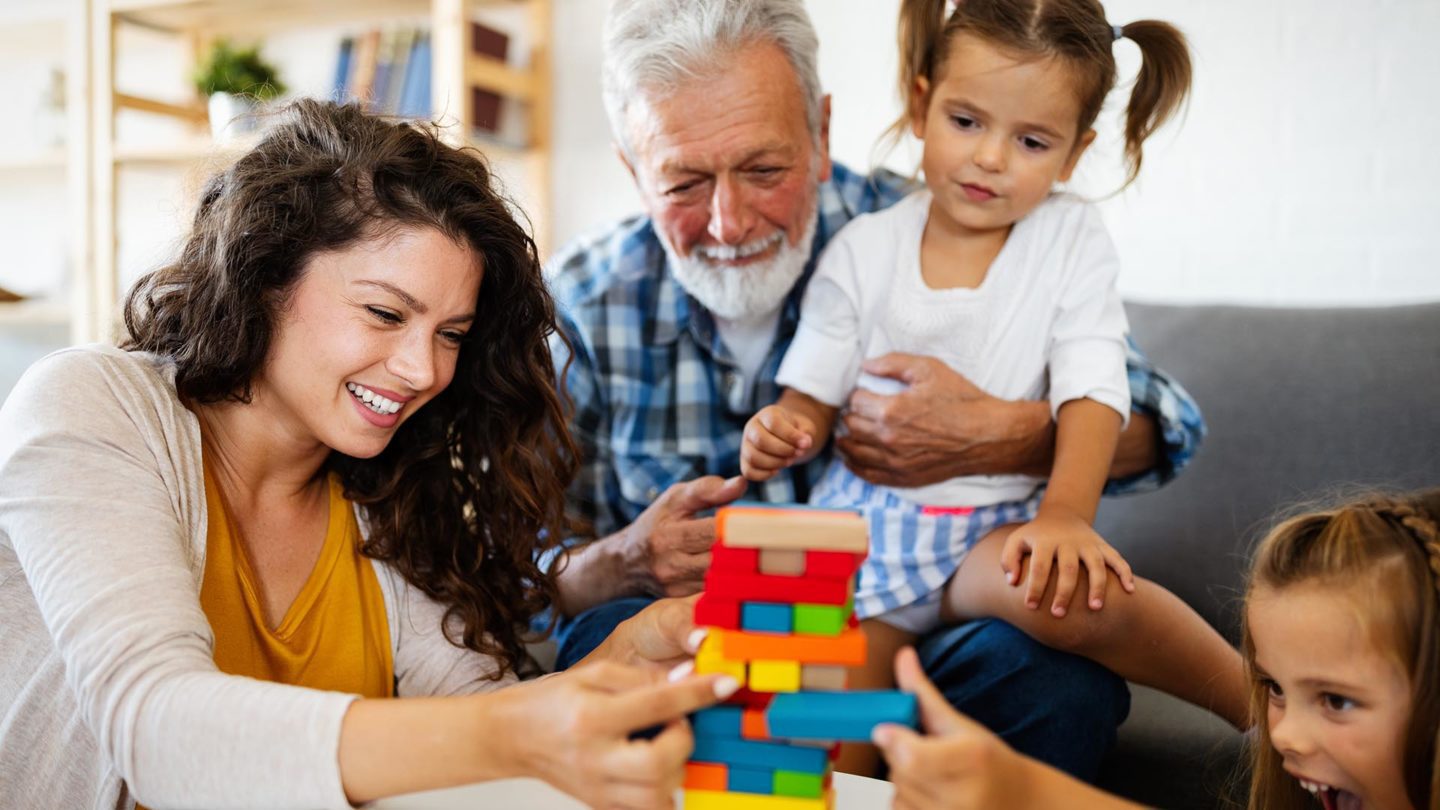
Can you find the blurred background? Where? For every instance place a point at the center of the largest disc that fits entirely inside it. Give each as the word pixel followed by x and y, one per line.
pixel 1305 172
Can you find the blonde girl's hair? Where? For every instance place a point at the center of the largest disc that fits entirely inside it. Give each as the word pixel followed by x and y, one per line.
pixel 1384 552
pixel 1074 31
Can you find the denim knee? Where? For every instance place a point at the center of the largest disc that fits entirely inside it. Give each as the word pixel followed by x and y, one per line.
pixel 1056 707
pixel 576 637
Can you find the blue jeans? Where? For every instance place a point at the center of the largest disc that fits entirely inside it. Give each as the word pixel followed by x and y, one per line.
pixel 1056 707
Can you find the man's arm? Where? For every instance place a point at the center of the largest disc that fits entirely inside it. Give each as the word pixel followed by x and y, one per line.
pixel 943 426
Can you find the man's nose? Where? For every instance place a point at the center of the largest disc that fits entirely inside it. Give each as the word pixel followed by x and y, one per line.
pixel 731 220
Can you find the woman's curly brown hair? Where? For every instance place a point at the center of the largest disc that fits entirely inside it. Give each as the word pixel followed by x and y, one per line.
pixel 472 487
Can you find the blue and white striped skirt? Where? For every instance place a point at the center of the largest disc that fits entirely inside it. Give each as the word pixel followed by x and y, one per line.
pixel 913 550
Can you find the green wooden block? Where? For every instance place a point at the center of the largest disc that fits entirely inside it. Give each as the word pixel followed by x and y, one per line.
pixel 822 620
pixel 799 785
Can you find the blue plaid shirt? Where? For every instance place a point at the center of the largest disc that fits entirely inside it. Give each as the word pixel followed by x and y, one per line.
pixel 660 399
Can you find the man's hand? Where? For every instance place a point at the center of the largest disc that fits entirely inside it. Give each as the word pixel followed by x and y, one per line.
pixel 941 427
pixel 667 549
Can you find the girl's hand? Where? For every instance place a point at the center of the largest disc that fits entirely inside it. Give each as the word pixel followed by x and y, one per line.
pixel 574 730
pixel 775 438
pixel 958 764
pixel 1063 541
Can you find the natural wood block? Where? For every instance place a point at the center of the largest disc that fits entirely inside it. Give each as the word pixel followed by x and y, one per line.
pixel 823 678
pixel 784 562
pixel 798 528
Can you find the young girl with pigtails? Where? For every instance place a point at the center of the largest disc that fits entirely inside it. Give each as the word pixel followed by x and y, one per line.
pixel 1011 283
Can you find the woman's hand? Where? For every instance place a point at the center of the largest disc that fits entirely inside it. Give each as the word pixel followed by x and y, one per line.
pixel 574 730
pixel 660 637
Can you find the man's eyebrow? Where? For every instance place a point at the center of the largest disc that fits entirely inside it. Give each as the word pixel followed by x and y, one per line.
pixel 776 150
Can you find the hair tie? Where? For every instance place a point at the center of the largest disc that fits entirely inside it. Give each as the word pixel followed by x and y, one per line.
pixel 1117 31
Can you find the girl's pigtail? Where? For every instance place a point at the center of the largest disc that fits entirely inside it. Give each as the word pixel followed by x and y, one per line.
pixel 1160 89
pixel 921 23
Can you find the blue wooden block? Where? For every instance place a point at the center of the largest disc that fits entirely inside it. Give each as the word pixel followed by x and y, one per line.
pixel 749 780
pixel 837 715
pixel 767 617
pixel 717 721
pixel 752 754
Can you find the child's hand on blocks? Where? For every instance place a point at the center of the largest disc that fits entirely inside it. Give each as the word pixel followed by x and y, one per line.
pixel 775 438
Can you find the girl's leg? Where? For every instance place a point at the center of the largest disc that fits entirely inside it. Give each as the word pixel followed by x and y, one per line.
pixel 1149 637
pixel 882 641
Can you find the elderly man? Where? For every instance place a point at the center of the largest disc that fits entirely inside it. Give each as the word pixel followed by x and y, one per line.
pixel 678 320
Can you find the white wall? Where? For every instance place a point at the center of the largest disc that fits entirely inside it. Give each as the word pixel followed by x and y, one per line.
pixel 1305 172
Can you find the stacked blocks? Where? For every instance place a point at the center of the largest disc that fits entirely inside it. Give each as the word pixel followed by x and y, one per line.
pixel 779 605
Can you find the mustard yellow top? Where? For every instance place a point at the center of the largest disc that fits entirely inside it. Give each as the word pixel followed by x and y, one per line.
pixel 335 635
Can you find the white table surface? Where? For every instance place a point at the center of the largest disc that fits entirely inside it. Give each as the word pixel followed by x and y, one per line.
pixel 851 793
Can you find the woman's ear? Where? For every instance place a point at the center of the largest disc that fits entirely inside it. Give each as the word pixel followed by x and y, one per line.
pixel 1071 162
pixel 919 105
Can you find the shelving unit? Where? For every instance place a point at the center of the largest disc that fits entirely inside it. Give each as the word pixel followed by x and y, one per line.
pixel 71 161
pixel 196 23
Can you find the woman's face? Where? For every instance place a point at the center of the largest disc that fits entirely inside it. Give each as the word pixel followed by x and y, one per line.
pixel 370 335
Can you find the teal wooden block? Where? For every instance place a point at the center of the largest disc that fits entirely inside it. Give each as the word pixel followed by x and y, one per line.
pixel 750 780
pixel 837 715
pixel 766 617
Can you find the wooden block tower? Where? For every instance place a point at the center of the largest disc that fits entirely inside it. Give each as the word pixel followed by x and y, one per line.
pixel 779 602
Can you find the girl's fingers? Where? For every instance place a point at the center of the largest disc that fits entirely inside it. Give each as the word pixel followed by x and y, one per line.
pixel 1039 578
pixel 766 442
pixel 1012 554
pixel 1099 577
pixel 1068 565
pixel 785 428
pixel 1121 568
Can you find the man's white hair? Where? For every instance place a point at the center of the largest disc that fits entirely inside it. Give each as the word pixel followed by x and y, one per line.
pixel 654 45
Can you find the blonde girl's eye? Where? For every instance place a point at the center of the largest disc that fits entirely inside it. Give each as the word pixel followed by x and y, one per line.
pixel 964 122
pixel 1272 689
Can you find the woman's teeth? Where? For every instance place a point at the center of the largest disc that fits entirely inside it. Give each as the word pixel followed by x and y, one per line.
pixel 372 400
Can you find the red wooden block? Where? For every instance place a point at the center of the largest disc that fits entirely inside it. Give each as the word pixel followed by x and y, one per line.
pixel 750 699
pixel 736 560
pixel 713 611
pixel 761 588
pixel 753 725
pixel 832 564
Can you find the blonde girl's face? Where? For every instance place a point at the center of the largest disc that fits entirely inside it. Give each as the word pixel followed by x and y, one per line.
pixel 999 133
pixel 1338 704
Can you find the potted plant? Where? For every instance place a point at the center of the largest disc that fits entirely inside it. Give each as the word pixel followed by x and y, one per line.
pixel 235 80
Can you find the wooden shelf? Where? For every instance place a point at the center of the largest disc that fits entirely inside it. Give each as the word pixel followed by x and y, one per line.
pixel 37 312
pixel 183 153
pixel 258 16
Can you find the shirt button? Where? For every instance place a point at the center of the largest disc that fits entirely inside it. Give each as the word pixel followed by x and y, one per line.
pixel 652 493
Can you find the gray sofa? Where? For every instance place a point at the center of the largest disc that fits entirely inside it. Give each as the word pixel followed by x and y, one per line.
pixel 1299 402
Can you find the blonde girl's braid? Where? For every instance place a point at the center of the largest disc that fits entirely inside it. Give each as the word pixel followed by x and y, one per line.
pixel 1423 526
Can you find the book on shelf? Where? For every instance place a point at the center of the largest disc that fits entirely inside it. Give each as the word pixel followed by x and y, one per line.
pixel 485 105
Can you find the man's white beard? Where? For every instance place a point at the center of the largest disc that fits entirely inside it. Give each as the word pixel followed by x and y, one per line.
pixel 744 291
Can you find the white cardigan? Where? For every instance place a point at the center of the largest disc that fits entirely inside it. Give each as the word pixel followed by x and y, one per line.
pixel 108 689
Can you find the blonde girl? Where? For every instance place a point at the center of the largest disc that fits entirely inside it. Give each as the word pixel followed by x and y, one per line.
pixel 1012 285
pixel 1342 648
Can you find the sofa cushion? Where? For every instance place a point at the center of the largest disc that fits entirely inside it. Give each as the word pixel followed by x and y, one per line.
pixel 1299 403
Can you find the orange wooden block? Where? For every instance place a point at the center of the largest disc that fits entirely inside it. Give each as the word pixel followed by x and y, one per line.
pixel 848 648
pixel 706 776
pixel 753 725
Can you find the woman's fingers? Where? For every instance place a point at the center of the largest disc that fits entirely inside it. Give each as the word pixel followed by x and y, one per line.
pixel 643 708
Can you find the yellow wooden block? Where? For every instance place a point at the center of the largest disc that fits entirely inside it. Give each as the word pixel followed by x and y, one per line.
pixel 724 800
pixel 709 661
pixel 774 676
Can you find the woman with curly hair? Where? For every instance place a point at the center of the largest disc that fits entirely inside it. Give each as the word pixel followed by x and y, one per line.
pixel 315 477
